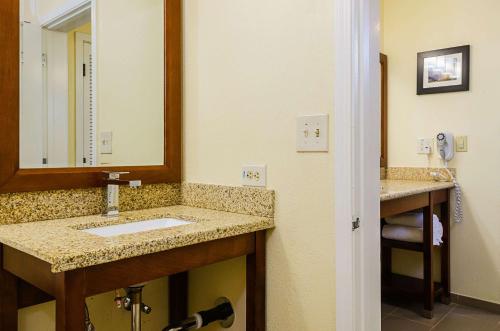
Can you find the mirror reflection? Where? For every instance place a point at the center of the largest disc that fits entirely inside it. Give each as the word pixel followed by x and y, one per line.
pixel 92 83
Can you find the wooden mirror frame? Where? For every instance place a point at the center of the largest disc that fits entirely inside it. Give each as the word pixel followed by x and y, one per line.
pixel 15 179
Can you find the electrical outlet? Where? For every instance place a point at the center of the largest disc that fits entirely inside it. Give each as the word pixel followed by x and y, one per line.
pixel 424 146
pixel 312 133
pixel 461 144
pixel 254 175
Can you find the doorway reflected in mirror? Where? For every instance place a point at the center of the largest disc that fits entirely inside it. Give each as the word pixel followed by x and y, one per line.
pixel 92 92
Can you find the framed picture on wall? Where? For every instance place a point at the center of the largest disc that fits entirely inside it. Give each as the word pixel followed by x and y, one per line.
pixel 443 70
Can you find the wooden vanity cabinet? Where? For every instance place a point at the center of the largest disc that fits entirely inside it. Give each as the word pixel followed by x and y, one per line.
pixel 26 280
pixel 409 287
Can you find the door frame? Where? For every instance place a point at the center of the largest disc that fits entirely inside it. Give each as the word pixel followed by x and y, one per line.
pixel 80 39
pixel 357 174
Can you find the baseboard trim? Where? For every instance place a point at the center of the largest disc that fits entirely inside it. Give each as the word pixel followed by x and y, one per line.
pixel 476 303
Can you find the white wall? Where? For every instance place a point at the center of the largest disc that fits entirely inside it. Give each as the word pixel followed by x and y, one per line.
pixel 414 26
pixel 250 68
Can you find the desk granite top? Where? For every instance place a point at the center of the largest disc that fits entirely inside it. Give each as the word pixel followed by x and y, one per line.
pixel 61 244
pixel 395 189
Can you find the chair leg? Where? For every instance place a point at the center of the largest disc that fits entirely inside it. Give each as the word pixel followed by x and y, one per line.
pixel 428 245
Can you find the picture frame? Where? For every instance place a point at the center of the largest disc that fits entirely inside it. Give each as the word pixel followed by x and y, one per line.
pixel 443 70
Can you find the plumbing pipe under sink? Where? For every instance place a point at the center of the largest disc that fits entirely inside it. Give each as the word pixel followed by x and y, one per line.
pixel 222 312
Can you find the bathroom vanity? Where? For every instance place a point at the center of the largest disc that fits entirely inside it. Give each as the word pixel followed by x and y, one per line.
pixel 57 259
pixel 400 196
pixel 125 119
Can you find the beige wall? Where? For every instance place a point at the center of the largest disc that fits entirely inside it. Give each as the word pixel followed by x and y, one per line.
pixel 414 26
pixel 130 56
pixel 250 68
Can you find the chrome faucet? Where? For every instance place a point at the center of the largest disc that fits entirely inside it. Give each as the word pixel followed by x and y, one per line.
pixel 113 191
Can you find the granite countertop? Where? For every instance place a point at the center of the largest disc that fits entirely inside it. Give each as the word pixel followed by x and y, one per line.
pixel 394 189
pixel 60 243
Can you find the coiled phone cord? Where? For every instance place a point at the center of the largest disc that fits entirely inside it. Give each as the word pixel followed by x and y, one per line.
pixel 459 213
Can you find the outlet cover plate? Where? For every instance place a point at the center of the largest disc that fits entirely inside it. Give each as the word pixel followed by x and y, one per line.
pixel 254 175
pixel 312 133
pixel 424 146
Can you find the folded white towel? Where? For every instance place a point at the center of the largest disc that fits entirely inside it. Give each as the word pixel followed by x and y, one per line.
pixel 415 219
pixel 412 233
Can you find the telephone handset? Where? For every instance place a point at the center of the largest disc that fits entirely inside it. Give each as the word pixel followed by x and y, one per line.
pixel 445 146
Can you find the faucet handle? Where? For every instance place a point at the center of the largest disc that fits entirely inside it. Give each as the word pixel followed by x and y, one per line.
pixel 114 175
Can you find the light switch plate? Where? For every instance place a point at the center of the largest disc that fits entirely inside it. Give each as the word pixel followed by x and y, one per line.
pixel 254 175
pixel 106 143
pixel 424 146
pixel 312 133
pixel 461 144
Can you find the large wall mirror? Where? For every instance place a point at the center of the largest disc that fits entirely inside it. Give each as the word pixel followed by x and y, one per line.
pixel 91 83
pixel 96 85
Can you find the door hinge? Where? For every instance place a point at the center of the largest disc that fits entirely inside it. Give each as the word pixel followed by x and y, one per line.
pixel 355 223
pixel 84 160
pixel 84 70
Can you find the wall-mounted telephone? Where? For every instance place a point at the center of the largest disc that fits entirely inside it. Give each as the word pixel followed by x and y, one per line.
pixel 445 145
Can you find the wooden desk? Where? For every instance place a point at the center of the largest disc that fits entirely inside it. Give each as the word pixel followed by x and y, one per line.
pixel 426 288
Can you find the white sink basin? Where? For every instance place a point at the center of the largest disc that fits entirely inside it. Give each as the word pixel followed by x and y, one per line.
pixel 134 227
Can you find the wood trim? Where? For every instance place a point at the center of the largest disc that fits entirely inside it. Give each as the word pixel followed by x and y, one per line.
pixel 70 300
pixel 178 297
pixel 384 91
pixel 417 247
pixel 29 268
pixel 256 285
pixel 8 297
pixel 9 91
pixel 445 247
pixel 102 278
pixel 406 287
pixel 405 204
pixel 29 295
pixel 440 196
pixel 428 258
pixel 14 179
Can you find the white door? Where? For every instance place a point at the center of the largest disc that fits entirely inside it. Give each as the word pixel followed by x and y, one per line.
pixel 85 119
pixel 56 59
pixel 357 146
pixel 32 149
